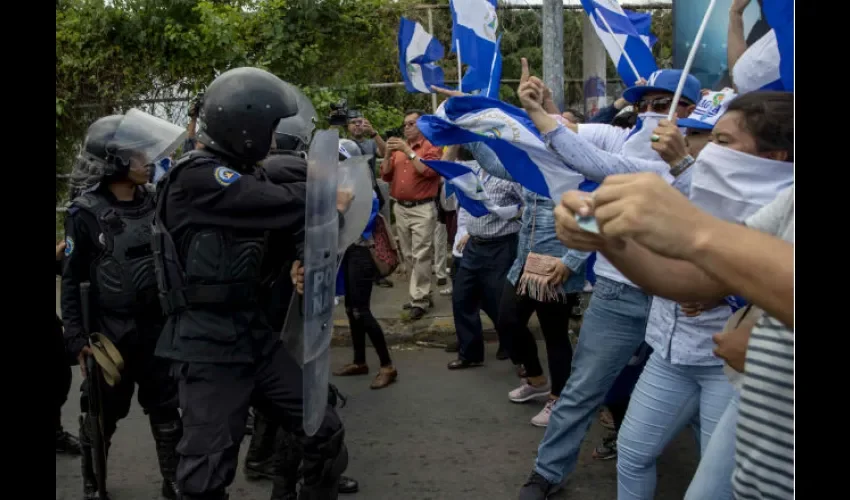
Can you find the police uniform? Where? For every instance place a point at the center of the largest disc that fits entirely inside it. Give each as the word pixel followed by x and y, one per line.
pixel 217 212
pixel 108 244
pixel 273 452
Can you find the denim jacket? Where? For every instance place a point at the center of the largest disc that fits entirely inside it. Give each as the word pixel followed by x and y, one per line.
pixel 541 210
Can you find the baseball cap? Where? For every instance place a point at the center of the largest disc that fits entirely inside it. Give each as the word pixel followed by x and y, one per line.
pixel 665 80
pixel 709 109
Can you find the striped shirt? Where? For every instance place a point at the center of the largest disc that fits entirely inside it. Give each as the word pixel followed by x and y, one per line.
pixel 764 454
pixel 502 193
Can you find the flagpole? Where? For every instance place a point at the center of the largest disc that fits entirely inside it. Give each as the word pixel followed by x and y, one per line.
pixel 687 69
pixel 492 67
pixel 431 30
pixel 617 41
pixel 459 68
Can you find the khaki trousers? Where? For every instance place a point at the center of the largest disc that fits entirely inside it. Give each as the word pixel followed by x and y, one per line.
pixel 415 227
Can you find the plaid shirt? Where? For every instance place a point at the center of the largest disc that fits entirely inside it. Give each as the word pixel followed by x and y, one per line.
pixel 501 192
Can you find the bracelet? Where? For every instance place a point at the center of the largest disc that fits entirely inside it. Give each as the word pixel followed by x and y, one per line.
pixel 683 165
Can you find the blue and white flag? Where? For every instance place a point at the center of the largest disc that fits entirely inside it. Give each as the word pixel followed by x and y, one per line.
pixel 469 191
pixel 779 14
pixel 160 168
pixel 487 79
pixel 474 25
pixel 758 68
pixel 512 136
pixel 634 43
pixel 417 51
pixel 643 25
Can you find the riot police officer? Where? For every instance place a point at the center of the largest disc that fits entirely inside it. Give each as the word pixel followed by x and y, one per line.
pixel 216 210
pixel 273 452
pixel 108 244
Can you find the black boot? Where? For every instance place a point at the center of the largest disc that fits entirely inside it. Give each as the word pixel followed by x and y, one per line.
pixel 167 435
pixel 89 481
pixel 348 485
pixel 289 453
pixel 323 468
pixel 261 461
pixel 66 443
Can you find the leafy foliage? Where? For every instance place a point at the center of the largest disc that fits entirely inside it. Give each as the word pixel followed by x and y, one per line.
pixel 109 53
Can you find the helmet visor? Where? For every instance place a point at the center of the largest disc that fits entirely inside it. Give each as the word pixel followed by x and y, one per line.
pixel 145 137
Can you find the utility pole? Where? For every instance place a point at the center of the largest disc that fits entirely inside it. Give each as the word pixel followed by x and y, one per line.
pixel 594 68
pixel 553 49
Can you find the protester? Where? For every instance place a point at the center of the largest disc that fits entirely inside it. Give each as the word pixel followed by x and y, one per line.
pixel 358 274
pixel 447 214
pixel 757 127
pixel 414 187
pixel 371 144
pixel 460 241
pixel 672 248
pixel 441 242
pixel 617 314
pixel 489 252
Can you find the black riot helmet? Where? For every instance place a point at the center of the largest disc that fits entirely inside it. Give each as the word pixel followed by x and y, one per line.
pixel 240 111
pixel 99 135
pixel 294 133
pixel 114 140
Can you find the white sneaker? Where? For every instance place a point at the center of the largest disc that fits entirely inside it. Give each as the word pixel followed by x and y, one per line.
pixel 446 291
pixel 527 392
pixel 542 418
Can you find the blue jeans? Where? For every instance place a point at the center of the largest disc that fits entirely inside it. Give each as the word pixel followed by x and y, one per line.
pixel 713 479
pixel 665 400
pixel 612 329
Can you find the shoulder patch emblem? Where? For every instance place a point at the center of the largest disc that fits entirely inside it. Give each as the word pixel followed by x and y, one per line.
pixel 226 176
pixel 69 246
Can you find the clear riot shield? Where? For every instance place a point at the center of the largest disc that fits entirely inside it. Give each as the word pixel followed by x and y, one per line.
pixel 146 137
pixel 320 265
pixel 354 177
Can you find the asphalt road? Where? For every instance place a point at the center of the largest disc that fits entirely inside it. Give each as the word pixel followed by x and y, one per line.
pixel 434 435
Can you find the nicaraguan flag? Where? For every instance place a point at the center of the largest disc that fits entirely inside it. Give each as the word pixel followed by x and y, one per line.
pixel 486 79
pixel 160 168
pixel 779 14
pixel 622 28
pixel 417 50
pixel 469 191
pixel 474 24
pixel 643 25
pixel 512 136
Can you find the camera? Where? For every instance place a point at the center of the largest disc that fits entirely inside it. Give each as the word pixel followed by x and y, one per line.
pixel 339 113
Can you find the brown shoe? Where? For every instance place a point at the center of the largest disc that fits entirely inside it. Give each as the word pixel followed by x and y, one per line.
pixel 352 369
pixel 386 376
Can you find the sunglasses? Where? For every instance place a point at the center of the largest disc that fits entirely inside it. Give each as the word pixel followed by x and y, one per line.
pixel 658 105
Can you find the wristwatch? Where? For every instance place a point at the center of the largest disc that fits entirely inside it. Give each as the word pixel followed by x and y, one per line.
pixel 373 135
pixel 683 165
pixel 412 156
